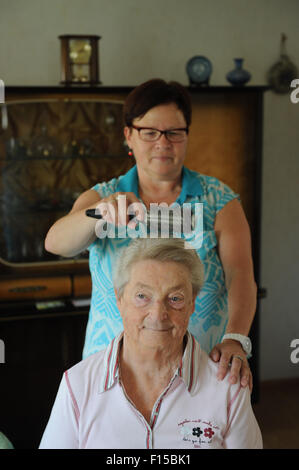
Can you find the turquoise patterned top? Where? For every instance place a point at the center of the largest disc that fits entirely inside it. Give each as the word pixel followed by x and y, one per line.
pixel 208 322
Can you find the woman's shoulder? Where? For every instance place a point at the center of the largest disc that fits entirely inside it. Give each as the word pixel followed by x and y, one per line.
pixel 105 188
pixel 85 375
pixel 215 189
pixel 89 365
pixel 207 182
pixel 210 183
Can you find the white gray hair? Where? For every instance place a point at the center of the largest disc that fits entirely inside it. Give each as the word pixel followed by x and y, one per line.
pixel 159 249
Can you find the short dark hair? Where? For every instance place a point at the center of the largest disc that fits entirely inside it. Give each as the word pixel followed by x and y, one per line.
pixel 154 93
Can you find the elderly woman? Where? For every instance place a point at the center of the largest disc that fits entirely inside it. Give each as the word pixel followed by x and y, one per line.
pixel 152 387
pixel 157 119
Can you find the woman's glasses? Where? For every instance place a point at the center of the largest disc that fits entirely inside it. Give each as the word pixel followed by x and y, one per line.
pixel 148 134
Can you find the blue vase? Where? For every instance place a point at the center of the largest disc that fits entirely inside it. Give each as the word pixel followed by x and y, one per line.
pixel 238 76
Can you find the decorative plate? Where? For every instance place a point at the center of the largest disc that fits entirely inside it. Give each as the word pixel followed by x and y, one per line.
pixel 199 70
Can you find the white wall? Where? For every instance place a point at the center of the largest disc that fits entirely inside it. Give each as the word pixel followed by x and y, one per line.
pixel 142 39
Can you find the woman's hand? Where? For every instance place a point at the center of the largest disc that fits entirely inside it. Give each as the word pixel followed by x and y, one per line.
pixel 117 207
pixel 74 232
pixel 231 356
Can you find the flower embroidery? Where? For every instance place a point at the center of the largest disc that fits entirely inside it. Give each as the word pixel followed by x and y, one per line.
pixel 199 433
pixel 196 432
pixel 208 433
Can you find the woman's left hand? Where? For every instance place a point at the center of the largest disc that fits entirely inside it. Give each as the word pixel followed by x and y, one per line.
pixel 229 354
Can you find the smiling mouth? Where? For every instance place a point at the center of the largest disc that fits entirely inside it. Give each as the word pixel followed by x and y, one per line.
pixel 162 157
pixel 159 330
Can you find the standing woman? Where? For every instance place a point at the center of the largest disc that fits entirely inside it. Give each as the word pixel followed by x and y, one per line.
pixel 157 118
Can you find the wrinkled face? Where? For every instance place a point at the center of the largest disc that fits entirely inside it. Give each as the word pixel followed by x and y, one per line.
pixel 156 304
pixel 159 158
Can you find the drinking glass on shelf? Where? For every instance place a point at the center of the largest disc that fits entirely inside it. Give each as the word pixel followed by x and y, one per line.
pixel 15 148
pixel 44 146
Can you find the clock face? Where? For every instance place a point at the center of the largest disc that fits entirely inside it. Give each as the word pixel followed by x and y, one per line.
pixel 199 69
pixel 80 51
pixel 79 59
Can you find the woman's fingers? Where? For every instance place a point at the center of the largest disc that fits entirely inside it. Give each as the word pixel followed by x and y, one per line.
pixel 119 208
pixel 237 366
pixel 232 360
pixel 224 365
pixel 246 376
pixel 215 354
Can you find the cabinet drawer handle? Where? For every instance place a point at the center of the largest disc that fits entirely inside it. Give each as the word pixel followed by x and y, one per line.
pixel 28 289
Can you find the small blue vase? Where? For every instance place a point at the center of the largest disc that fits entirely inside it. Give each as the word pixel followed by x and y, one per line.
pixel 238 76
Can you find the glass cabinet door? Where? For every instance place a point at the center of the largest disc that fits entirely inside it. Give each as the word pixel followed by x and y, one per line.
pixel 50 152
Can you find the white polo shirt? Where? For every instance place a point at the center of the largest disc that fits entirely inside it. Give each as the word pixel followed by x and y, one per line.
pixel 195 411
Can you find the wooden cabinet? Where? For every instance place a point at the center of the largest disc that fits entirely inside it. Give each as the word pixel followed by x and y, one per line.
pixel 55 142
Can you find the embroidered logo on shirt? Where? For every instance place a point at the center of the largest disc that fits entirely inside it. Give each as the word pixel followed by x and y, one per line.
pixel 197 431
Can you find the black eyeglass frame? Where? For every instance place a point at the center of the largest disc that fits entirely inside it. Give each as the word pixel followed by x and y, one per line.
pixel 166 132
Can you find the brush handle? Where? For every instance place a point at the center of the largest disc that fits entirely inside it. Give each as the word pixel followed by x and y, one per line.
pixel 92 213
pixel 157 220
